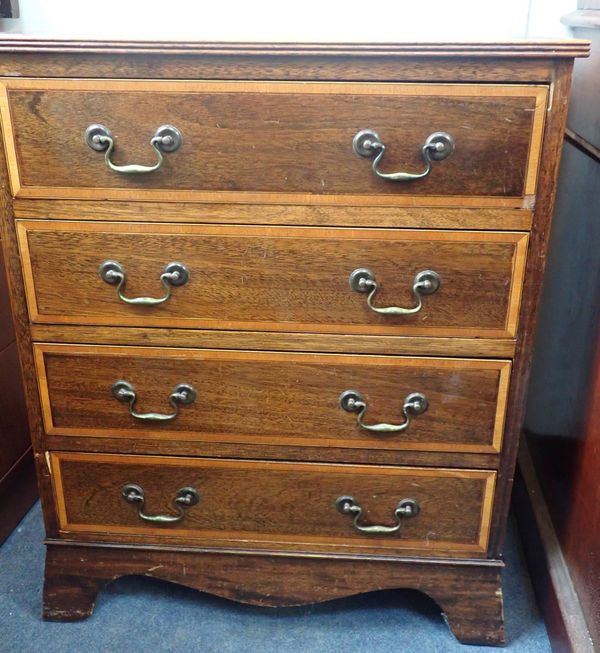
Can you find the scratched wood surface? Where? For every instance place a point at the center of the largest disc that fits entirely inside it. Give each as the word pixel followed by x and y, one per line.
pixel 242 501
pixel 298 135
pixel 274 398
pixel 469 595
pixel 415 217
pixel 274 279
pixel 526 83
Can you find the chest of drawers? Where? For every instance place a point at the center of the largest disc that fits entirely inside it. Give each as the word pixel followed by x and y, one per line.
pixel 275 309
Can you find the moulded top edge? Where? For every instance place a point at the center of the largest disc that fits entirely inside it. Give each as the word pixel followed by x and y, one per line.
pixel 568 48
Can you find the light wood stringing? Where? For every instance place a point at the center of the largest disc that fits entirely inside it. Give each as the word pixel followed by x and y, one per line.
pixel 496 219
pixel 485 515
pixel 475 617
pixel 540 93
pixel 259 340
pixel 519 240
pixel 163 433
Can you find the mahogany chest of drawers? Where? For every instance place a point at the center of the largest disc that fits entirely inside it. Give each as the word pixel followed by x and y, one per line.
pixel 275 308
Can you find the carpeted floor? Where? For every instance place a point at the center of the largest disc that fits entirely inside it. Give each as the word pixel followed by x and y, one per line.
pixel 138 614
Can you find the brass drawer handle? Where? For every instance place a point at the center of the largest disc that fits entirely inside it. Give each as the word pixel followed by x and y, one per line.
pixel 353 401
pixel 349 506
pixel 174 274
pixel 425 283
pixel 166 139
pixel 182 395
pixel 185 498
pixel 437 147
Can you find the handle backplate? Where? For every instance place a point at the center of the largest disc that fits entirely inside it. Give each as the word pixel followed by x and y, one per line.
pixel 186 497
pixel 353 401
pixel 183 394
pixel 437 147
pixel 424 283
pixel 347 505
pixel 166 139
pixel 177 273
pixel 174 274
pixel 362 280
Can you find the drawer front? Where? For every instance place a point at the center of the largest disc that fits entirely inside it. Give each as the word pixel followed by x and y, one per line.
pixel 274 141
pixel 292 505
pixel 274 398
pixel 275 278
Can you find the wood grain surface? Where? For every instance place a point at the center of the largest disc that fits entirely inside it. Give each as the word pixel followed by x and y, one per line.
pixel 536 261
pixel 276 341
pixel 284 452
pixel 21 323
pixel 274 398
pixel 522 61
pixel 522 48
pixel 298 135
pixel 416 217
pixel 266 148
pixel 260 67
pixel 274 278
pixel 243 501
pixel 469 595
pixel 7 332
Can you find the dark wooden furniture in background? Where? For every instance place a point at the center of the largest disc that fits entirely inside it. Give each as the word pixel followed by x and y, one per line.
pixel 17 475
pixel 582 522
pixel 252 469
pixel 558 496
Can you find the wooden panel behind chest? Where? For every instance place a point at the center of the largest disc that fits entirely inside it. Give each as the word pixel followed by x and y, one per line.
pixel 278 279
pixel 299 136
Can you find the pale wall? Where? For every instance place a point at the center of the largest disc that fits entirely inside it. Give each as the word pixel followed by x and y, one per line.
pixel 310 20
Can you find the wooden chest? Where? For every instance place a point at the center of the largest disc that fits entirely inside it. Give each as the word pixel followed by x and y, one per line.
pixel 275 309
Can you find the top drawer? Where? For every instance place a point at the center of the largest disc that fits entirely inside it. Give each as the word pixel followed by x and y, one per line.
pixel 274 142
